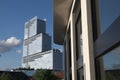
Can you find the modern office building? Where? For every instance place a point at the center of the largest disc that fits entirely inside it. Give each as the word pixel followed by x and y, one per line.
pixel 89 31
pixel 37 51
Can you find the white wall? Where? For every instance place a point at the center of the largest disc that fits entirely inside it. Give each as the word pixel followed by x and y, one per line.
pixel 44 62
pixel 35 46
pixel 33 29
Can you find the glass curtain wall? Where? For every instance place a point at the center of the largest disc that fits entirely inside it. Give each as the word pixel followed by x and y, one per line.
pixel 108 64
pixel 111 65
pixel 109 10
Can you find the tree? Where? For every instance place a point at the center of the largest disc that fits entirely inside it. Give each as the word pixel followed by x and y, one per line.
pixel 20 68
pixel 5 76
pixel 44 75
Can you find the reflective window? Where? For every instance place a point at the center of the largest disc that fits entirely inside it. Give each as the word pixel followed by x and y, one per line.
pixel 68 56
pixel 80 74
pixel 109 11
pixel 111 65
pixel 78 38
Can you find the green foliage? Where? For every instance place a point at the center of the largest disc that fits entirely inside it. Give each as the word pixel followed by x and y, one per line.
pixel 44 75
pixel 25 68
pixel 13 76
pixel 112 75
pixel 5 76
pixel 19 76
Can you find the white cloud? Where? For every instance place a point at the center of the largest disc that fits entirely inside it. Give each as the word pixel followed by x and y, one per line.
pixel 13 41
pixel 19 51
pixel 45 19
pixel 10 43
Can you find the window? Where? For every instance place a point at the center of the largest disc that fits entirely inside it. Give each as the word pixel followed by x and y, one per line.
pixel 78 38
pixel 67 56
pixel 80 74
pixel 110 65
pixel 109 11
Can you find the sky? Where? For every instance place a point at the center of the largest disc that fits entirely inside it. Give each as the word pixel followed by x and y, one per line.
pixel 13 15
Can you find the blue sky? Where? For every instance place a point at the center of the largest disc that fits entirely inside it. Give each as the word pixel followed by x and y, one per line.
pixel 13 15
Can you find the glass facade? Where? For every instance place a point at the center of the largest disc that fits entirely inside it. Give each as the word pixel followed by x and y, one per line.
pixel 107 57
pixel 80 74
pixel 108 63
pixel 109 11
pixel 68 56
pixel 110 69
pixel 35 41
pixel 78 38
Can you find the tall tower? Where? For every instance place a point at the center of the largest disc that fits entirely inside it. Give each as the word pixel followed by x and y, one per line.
pixel 36 41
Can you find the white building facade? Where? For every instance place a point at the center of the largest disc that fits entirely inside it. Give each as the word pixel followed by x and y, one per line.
pixel 51 59
pixel 37 51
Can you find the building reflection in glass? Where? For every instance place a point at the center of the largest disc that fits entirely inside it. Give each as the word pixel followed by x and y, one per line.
pixel 111 63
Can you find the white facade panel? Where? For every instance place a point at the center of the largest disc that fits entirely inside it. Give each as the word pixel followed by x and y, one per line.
pixel 25 33
pixel 45 62
pixel 35 46
pixel 24 51
pixel 32 29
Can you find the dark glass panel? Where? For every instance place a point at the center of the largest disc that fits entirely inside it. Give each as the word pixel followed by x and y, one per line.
pixel 109 11
pixel 111 65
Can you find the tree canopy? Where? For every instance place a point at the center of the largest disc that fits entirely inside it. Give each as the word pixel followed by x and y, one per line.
pixel 5 76
pixel 44 75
